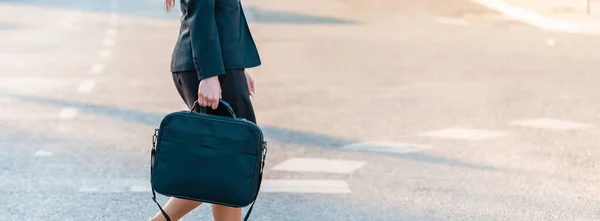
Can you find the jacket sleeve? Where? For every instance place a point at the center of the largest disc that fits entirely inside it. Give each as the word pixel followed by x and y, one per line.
pixel 206 47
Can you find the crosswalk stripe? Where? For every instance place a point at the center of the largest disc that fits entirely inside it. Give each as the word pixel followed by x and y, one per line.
pixel 97 69
pixel 86 86
pixel 42 153
pixel 114 185
pixel 111 32
pixel 109 42
pixel 552 124
pixel 87 189
pixel 319 165
pixel 305 186
pixel 140 188
pixel 68 113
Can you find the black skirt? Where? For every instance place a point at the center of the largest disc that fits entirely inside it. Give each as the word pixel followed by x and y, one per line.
pixel 234 90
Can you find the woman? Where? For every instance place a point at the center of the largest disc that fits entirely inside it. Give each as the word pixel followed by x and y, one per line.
pixel 213 50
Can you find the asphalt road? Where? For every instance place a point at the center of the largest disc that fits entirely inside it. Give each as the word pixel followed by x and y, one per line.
pixel 374 110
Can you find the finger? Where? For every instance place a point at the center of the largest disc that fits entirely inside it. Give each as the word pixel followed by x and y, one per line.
pixel 249 84
pixel 215 103
pixel 200 100
pixel 207 101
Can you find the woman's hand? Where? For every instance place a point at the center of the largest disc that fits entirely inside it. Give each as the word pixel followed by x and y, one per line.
pixel 209 92
pixel 250 83
pixel 169 4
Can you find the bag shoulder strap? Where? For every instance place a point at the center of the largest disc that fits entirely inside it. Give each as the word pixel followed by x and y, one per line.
pixel 252 206
pixel 160 207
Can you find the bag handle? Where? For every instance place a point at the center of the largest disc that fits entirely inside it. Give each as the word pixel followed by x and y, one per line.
pixel 223 102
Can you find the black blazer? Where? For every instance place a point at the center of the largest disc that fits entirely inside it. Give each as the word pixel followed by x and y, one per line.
pixel 214 36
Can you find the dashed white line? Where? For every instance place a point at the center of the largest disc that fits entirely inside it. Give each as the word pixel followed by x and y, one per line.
pixel 105 53
pixel 305 186
pixel 109 42
pixel 89 189
pixel 86 86
pixel 319 165
pixel 42 153
pixel 68 113
pixel 97 69
pixel 113 19
pixel 71 20
pixel 140 188
pixel 111 32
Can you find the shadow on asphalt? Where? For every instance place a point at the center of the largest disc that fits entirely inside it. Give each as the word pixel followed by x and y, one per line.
pixel 267 16
pixel 5 26
pixel 284 135
pixel 155 9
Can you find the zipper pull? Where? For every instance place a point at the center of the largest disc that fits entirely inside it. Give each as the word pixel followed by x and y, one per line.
pixel 154 138
pixel 264 155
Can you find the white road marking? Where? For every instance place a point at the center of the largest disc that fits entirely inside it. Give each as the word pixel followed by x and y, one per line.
pixel 465 134
pixel 111 32
pixel 67 23
pixel 551 42
pixel 68 113
pixel 41 153
pixel 386 147
pixel 140 188
pixel 97 68
pixel 553 124
pixel 71 20
pixel 113 19
pixel 305 186
pixel 538 20
pixel 86 86
pixel 109 42
pixel 76 183
pixel 89 189
pixel 105 53
pixel 451 21
pixel 319 165
pixel 113 185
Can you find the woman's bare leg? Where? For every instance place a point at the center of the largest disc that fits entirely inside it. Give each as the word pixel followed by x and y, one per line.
pixel 225 213
pixel 176 208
